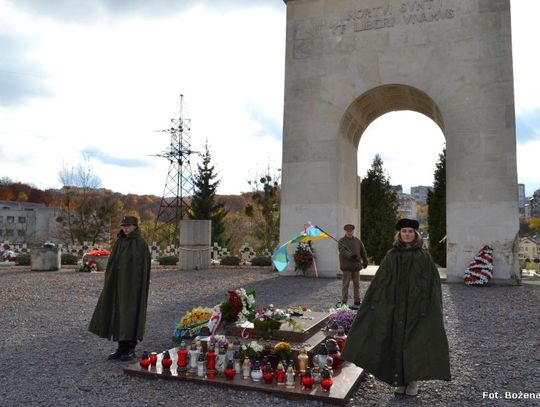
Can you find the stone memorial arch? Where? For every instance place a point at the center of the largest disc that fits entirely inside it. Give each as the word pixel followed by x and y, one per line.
pixel 349 62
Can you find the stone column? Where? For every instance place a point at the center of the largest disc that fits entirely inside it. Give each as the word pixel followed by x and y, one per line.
pixel 45 259
pixel 194 252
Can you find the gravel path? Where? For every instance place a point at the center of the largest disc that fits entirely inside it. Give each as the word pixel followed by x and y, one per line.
pixel 49 358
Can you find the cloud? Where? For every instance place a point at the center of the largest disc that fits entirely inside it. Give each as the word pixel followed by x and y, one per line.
pixel 110 159
pixel 89 11
pixel 527 163
pixel 395 136
pixel 20 76
pixel 525 31
pixel 528 125
pixel 268 124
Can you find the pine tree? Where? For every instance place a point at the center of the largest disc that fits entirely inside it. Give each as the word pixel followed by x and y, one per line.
pixel 379 211
pixel 203 204
pixel 437 212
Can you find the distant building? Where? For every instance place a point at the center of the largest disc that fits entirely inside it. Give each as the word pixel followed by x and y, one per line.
pixel 398 189
pixel 27 222
pixel 521 199
pixel 532 207
pixel 407 206
pixel 528 249
pixel 420 193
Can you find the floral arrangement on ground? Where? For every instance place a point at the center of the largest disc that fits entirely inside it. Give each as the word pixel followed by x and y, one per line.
pixel 342 316
pixel 88 266
pixel 270 318
pixel 218 341
pixel 252 350
pixel 191 323
pixel 283 349
pixel 98 253
pixel 239 307
pixel 303 256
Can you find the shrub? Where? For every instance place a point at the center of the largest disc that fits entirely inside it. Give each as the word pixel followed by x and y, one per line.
pixel 230 261
pixel 261 261
pixel 168 260
pixel 22 259
pixel 68 258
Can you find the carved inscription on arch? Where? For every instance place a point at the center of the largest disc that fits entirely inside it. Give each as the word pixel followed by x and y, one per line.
pixel 408 12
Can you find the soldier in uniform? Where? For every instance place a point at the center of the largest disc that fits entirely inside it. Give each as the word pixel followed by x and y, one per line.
pixel 398 334
pixel 352 259
pixel 120 313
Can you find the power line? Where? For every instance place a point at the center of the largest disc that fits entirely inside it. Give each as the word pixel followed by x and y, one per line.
pixel 178 188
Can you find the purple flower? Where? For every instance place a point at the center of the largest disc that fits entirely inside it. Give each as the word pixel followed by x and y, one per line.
pixel 342 318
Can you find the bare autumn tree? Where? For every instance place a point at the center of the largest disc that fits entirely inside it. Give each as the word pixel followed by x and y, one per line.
pixel 86 214
pixel 264 210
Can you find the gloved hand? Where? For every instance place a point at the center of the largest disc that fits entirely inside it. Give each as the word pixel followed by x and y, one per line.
pixel 365 266
pixel 355 257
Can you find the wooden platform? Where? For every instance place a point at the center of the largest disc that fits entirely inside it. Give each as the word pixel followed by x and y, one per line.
pixel 345 381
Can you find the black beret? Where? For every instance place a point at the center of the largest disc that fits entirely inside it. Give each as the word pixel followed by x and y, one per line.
pixel 129 220
pixel 348 226
pixel 407 223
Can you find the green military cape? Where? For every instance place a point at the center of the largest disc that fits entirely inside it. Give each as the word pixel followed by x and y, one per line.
pixel 120 313
pixel 398 334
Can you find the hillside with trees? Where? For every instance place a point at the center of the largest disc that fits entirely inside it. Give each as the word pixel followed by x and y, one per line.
pixel 97 211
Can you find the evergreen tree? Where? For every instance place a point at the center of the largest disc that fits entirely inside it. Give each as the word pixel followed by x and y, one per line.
pixel 203 204
pixel 379 211
pixel 437 212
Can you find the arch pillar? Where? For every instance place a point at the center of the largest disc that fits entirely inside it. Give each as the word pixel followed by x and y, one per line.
pixel 348 62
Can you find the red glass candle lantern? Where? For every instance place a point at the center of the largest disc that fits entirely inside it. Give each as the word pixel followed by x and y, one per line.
pixel 280 374
pixel 211 360
pixel 230 370
pixel 153 358
pixel 182 357
pixel 144 362
pixel 307 380
pixel 166 361
pixel 326 380
pixel 268 374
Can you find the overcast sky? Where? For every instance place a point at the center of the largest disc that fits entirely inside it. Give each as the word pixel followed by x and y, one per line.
pixel 102 77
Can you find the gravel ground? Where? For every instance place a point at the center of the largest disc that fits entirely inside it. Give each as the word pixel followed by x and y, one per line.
pixel 49 358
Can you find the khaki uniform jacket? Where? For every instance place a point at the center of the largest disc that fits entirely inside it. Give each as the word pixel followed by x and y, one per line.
pixel 348 246
pixel 120 313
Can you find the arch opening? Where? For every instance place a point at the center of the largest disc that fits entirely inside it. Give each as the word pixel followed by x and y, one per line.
pixel 384 99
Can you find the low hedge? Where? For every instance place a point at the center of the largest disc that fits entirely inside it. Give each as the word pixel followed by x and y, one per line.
pixel 167 260
pixel 22 259
pixel 230 261
pixel 69 259
pixel 261 261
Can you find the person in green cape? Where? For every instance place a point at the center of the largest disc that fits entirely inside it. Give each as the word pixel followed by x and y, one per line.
pixel 398 334
pixel 120 313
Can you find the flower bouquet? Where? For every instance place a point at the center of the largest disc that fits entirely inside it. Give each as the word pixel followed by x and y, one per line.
pixel 270 318
pixel 98 253
pixel 283 349
pixel 252 350
pixel 239 307
pixel 342 316
pixel 100 257
pixel 303 256
pixel 191 323
pixel 88 266
pixel 218 341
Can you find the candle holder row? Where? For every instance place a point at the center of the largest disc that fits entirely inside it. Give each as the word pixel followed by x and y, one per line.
pixel 210 364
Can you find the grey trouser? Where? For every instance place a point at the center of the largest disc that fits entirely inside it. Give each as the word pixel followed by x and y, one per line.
pixel 346 279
